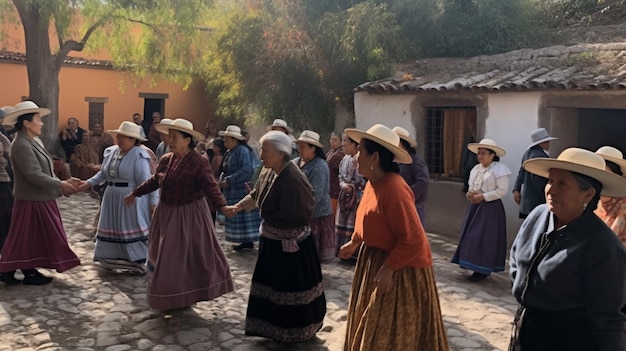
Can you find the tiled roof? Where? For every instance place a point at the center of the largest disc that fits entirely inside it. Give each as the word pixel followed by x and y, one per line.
pixel 18 57
pixel 580 67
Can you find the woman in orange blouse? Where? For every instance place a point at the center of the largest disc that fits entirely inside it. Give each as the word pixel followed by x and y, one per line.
pixel 394 303
pixel 612 210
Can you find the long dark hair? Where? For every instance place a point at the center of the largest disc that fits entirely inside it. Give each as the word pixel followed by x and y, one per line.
pixel 407 146
pixel 614 167
pixel 319 152
pixel 19 125
pixel 584 184
pixel 192 143
pixel 495 157
pixel 385 156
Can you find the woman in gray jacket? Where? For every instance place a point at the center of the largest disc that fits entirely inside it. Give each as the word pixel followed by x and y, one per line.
pixel 36 236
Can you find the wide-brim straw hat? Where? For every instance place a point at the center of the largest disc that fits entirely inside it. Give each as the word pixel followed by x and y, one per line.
pixel 486 144
pixel 232 131
pixel 5 110
pixel 279 123
pixel 384 136
pixel 164 121
pixel 580 161
pixel 612 154
pixel 21 109
pixel 539 136
pixel 404 135
pixel 131 130
pixel 310 137
pixel 181 125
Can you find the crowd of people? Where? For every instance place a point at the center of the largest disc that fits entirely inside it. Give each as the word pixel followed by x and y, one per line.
pixel 361 201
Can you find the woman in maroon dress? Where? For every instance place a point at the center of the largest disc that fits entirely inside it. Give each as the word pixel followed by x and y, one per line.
pixel 184 255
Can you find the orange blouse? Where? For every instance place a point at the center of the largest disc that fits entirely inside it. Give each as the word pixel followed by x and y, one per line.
pixel 387 219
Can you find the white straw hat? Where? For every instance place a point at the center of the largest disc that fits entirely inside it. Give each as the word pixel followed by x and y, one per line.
pixel 279 123
pixel 131 130
pixel 612 154
pixel 310 137
pixel 23 108
pixel 486 144
pixel 165 121
pixel 539 136
pixel 580 161
pixel 181 125
pixel 5 110
pixel 233 131
pixel 384 136
pixel 404 135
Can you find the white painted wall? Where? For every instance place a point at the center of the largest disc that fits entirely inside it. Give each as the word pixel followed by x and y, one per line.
pixel 512 117
pixel 390 110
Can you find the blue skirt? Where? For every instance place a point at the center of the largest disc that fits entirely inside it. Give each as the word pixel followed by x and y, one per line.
pixel 244 226
pixel 482 246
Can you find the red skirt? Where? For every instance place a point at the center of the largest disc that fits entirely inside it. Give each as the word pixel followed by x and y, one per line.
pixel 36 239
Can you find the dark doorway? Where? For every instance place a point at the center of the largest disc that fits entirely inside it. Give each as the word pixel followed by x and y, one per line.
pixel 149 107
pixel 96 114
pixel 599 127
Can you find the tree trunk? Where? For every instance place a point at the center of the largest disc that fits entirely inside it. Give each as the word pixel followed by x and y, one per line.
pixel 43 70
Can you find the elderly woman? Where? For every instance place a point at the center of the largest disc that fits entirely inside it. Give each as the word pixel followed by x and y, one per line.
pixel 312 163
pixel 237 169
pixel 185 256
pixel 287 301
pixel 122 236
pixel 85 162
pixel 482 246
pixel 394 302
pixel 36 236
pixel 351 183
pixel 333 159
pixel 612 210
pixel 415 174
pixel 568 268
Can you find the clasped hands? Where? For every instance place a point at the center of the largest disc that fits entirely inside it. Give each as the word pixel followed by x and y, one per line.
pixel 474 197
pixel 231 211
pixel 72 186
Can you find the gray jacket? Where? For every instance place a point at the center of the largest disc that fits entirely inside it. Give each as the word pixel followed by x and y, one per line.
pixel 33 171
pixel 584 269
pixel 533 187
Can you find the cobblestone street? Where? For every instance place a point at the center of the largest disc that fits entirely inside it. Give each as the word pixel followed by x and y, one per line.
pixel 88 308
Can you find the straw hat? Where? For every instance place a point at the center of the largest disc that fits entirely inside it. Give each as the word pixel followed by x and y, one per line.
pixel 383 136
pixel 580 161
pixel 23 108
pixel 404 135
pixel 310 137
pixel 131 130
pixel 5 111
pixel 233 131
pixel 539 136
pixel 279 123
pixel 181 125
pixel 486 144
pixel 165 121
pixel 612 154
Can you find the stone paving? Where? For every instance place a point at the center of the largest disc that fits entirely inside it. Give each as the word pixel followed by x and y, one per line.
pixel 87 308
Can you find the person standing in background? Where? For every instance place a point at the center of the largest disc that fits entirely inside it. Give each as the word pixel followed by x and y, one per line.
pixel 528 191
pixel 163 146
pixel 71 136
pixel 415 174
pixel 153 135
pixel 333 159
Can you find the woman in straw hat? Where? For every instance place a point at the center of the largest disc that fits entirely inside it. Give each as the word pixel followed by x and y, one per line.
pixel 568 268
pixel 312 162
pixel 182 236
pixel 122 236
pixel 163 146
pixel 6 181
pixel 612 210
pixel 237 170
pixel 394 302
pixel 287 301
pixel 36 236
pixel 416 173
pixel 482 246
pixel 351 183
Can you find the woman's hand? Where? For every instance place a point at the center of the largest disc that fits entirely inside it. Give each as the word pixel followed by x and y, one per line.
pixel 384 279
pixel 348 249
pixel 477 198
pixel 67 188
pixel 347 188
pixel 84 187
pixel 231 211
pixel 129 200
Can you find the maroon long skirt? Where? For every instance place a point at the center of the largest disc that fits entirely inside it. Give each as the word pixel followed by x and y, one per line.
pixel 36 239
pixel 185 257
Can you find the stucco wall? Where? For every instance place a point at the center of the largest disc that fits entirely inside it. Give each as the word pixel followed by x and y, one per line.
pixel 121 90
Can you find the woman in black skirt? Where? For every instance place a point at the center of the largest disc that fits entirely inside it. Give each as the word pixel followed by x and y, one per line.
pixel 287 301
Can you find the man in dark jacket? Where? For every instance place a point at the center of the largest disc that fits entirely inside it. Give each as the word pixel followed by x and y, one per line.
pixel 531 194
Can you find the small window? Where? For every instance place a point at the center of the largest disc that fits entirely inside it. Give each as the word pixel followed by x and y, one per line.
pixel 448 130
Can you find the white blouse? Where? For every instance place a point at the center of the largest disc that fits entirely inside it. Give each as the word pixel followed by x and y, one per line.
pixel 491 181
